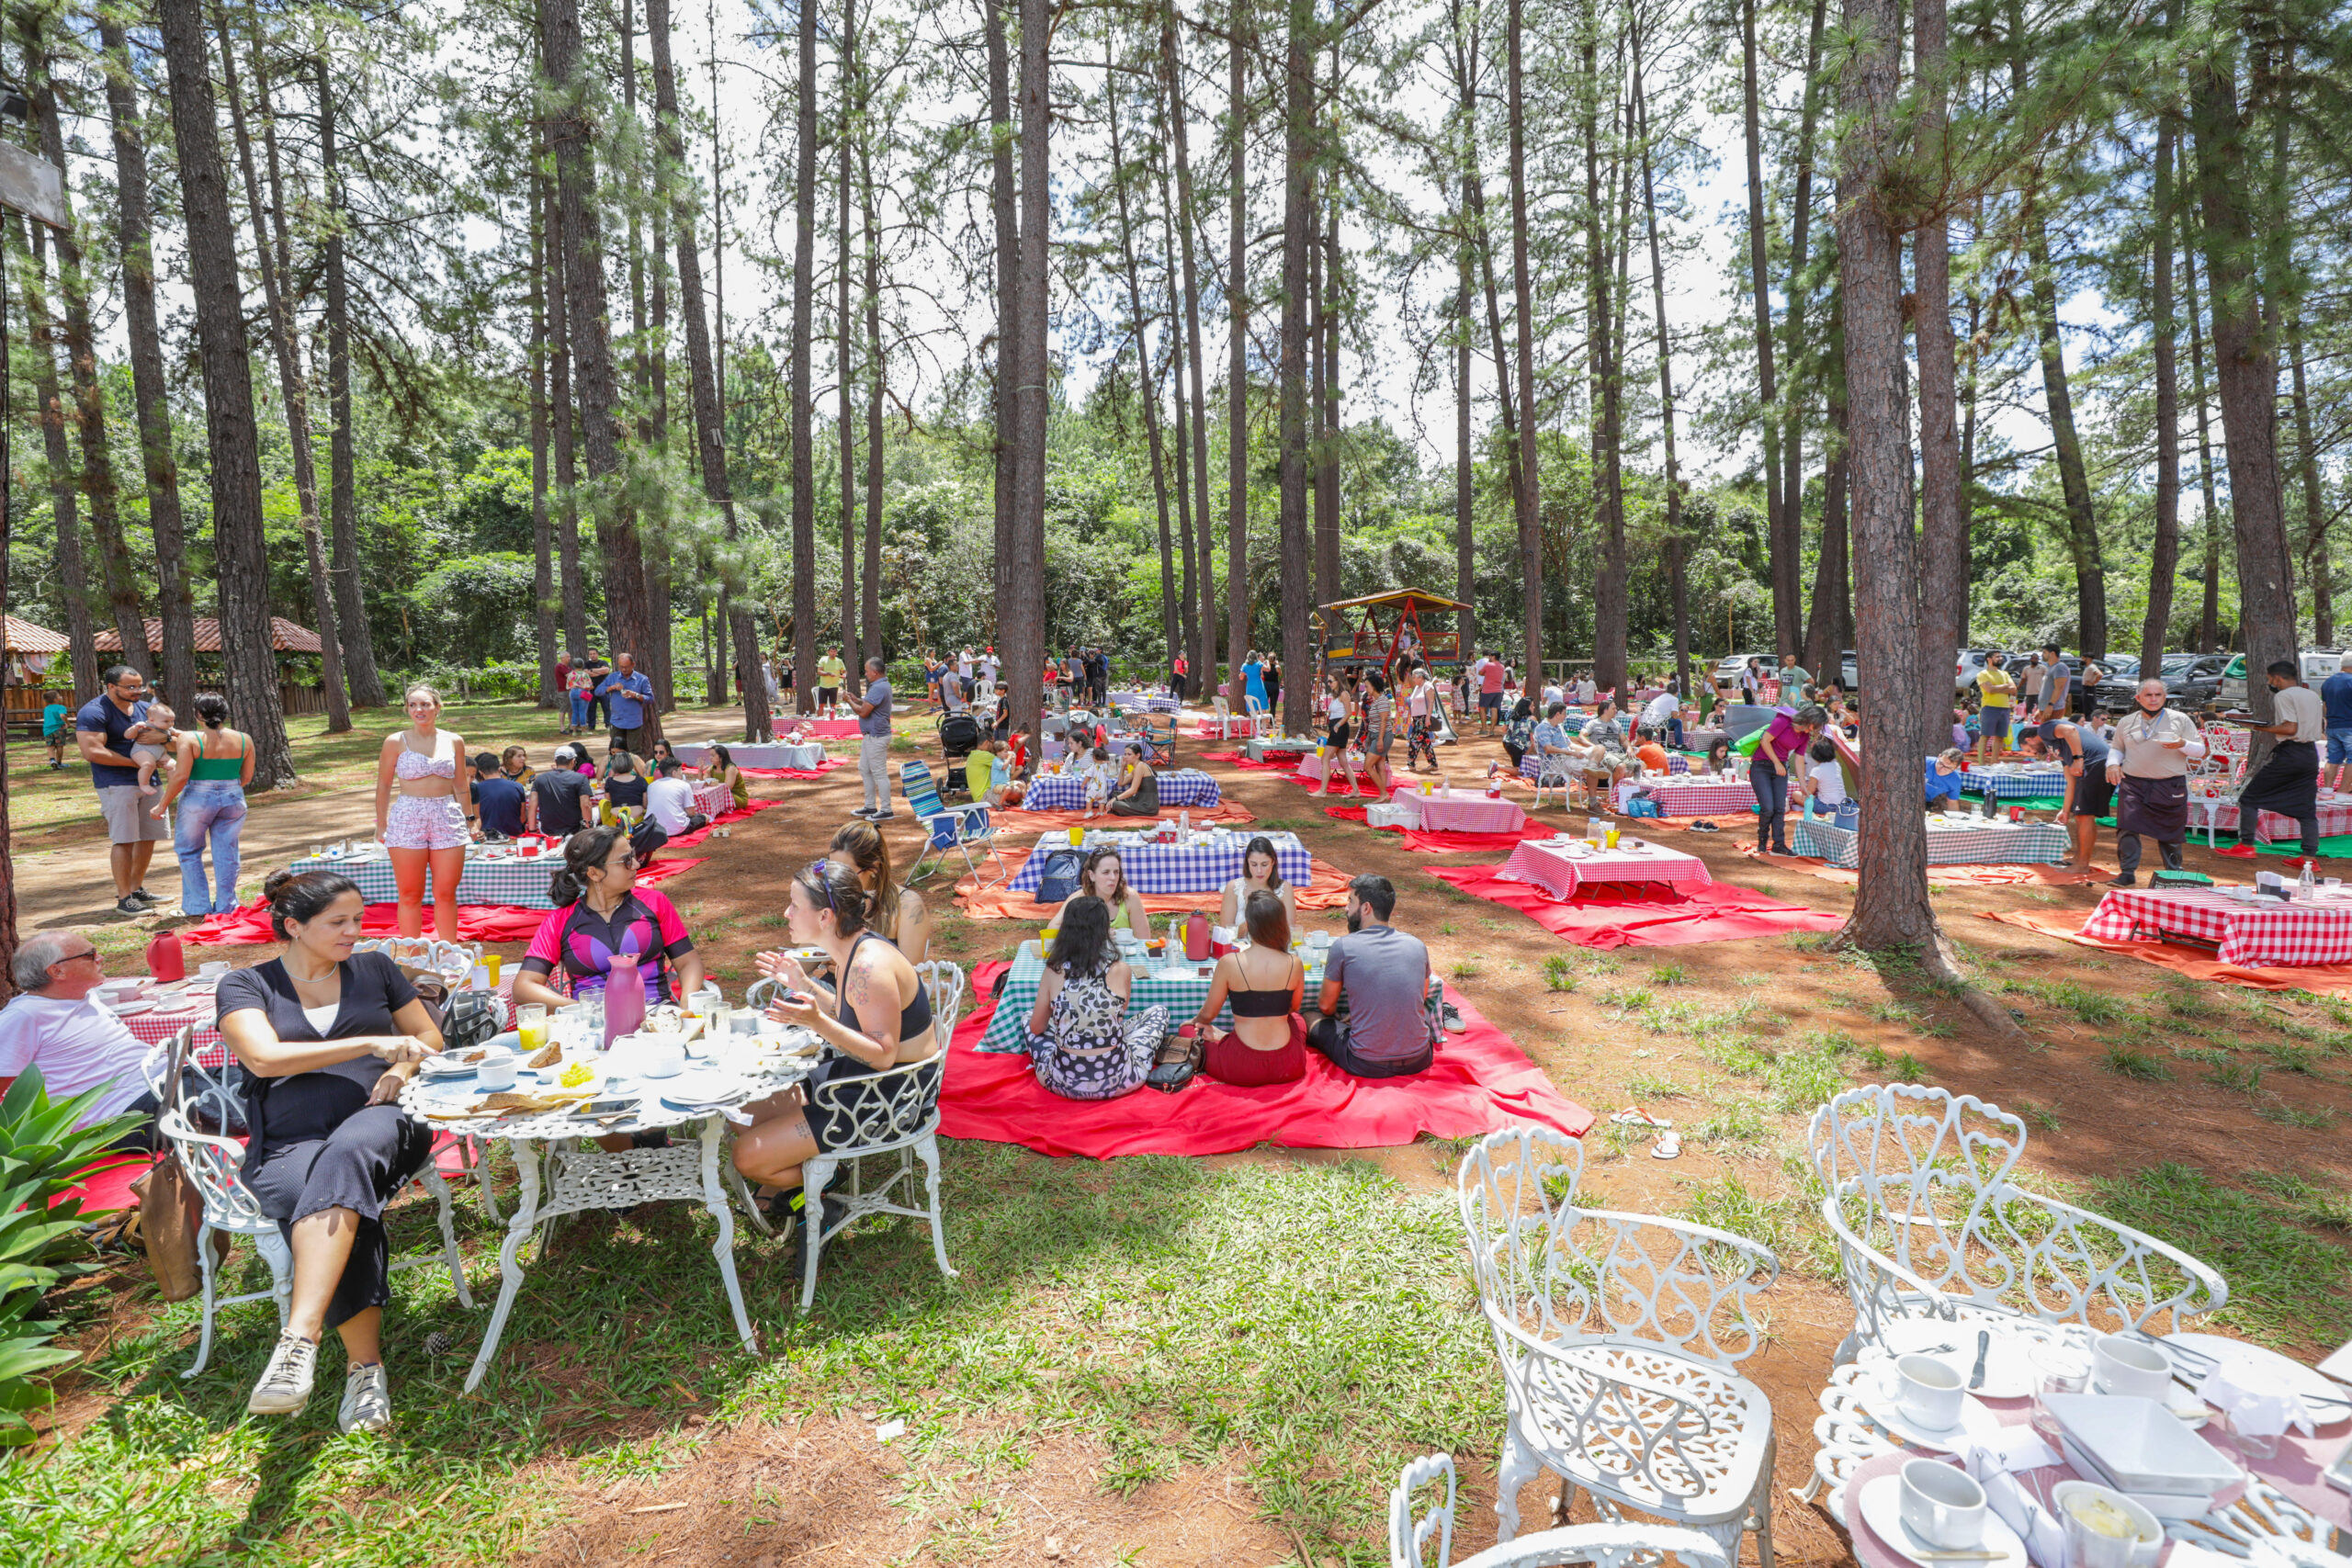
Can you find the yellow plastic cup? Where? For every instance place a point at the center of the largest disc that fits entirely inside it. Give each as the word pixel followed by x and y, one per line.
pixel 489 964
pixel 1077 837
pixel 1612 835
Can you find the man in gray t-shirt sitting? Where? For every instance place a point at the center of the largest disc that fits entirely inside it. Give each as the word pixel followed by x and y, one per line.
pixel 1384 973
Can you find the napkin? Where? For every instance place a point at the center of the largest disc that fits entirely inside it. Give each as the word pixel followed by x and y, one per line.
pixel 1994 1460
pixel 2251 1395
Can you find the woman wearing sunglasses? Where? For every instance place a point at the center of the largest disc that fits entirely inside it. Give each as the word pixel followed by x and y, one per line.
pixel 599 911
pixel 879 1019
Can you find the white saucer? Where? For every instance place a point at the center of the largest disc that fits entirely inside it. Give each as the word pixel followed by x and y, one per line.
pixel 2330 1400
pixel 1882 1406
pixel 132 1007
pixel 1880 1505
pixel 2008 1369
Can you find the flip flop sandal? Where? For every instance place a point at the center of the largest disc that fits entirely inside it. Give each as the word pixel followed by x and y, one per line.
pixel 1703 826
pixel 1639 1116
pixel 1668 1147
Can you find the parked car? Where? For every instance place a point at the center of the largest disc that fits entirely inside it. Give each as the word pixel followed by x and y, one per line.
pixel 1965 670
pixel 2192 678
pixel 1733 663
pixel 2318 664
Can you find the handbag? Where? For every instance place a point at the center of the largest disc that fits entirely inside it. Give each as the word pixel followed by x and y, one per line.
pixel 170 1211
pixel 1179 1060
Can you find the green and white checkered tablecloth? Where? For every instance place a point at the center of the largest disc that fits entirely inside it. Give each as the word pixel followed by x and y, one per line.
pixel 1180 994
pixel 490 878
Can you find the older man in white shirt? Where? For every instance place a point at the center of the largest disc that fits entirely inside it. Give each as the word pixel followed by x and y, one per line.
pixel 52 1025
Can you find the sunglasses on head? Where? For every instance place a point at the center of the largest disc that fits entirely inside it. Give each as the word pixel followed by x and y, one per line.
pixel 814 879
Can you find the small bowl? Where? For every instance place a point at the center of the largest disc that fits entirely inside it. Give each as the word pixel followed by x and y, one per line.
pixel 2137 1551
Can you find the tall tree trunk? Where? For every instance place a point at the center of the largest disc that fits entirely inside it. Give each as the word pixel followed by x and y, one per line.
pixel 1298 154
pixel 1891 907
pixel 98 481
pixel 240 564
pixel 563 437
pixel 134 231
pixel 1025 652
pixel 1147 383
pixel 1003 206
pixel 877 380
pixel 1466 471
pixel 1795 405
pixel 1325 340
pixel 2164 555
pixel 1943 512
pixel 2074 477
pixel 543 600
pixel 64 506
pixel 627 614
pixel 1528 501
pixel 359 673
pixel 710 431
pixel 1188 509
pixel 1172 71
pixel 844 340
pixel 272 258
pixel 2315 562
pixel 2246 357
pixel 803 390
pixel 1676 577
pixel 1609 609
pixel 1778 527
pixel 1236 390
pixel 2208 630
pixel 1835 578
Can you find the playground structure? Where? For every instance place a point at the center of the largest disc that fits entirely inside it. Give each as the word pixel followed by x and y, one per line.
pixel 1379 628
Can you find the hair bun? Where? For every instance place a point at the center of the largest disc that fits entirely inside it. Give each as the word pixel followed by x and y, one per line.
pixel 278 882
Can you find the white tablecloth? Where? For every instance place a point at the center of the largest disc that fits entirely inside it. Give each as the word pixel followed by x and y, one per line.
pixel 772 754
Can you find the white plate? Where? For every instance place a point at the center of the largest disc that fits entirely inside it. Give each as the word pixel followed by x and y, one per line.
pixel 1883 1405
pixel 2315 1389
pixel 701 1086
pixel 2008 1371
pixel 132 1007
pixel 446 1067
pixel 1882 1510
pixel 2141 1445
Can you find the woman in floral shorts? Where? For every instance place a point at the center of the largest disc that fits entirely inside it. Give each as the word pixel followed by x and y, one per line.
pixel 421 815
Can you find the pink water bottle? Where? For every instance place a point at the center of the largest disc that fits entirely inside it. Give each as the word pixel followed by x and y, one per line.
pixel 624 999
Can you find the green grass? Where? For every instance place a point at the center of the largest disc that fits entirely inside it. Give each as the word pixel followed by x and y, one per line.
pixel 2285 1285
pixel 1557 975
pixel 2040 1117
pixel 2139 1064
pixel 2237 1078
pixel 1739 1126
pixel 1301 1327
pixel 2090 1005
pixel 1651 1086
pixel 2318 1118
pixel 1668 973
pixel 1898 1066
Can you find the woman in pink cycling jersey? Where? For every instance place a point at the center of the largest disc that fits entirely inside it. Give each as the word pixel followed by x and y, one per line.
pixel 421 816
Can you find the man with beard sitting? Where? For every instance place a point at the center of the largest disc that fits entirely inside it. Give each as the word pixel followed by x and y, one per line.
pixel 1384 974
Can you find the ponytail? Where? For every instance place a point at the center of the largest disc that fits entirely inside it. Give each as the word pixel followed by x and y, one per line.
pixel 583 852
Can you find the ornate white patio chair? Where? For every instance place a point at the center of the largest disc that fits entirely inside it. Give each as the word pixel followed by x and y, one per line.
pixel 1553 772
pixel 1624 1545
pixel 1618 1335
pixel 1928 1224
pixel 893 1120
pixel 945 981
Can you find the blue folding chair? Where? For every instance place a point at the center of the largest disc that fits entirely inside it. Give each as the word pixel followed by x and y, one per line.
pixel 1158 732
pixel 947 827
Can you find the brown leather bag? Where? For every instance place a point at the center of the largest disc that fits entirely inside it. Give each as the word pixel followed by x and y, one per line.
pixel 170 1209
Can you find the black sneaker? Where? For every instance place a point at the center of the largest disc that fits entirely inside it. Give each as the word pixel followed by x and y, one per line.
pixel 865 811
pixel 128 906
pixel 143 896
pixel 2126 880
pixel 883 816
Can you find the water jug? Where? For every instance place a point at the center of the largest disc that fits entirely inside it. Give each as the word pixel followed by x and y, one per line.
pixel 166 960
pixel 1197 936
pixel 624 999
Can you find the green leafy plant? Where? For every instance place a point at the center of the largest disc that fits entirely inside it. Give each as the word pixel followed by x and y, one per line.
pixel 42 1156
pixel 2137 1065
pixel 1556 976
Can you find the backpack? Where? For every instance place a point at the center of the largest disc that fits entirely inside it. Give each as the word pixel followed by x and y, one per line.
pixel 1060 879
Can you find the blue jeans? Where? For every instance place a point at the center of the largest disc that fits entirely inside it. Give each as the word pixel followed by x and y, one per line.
pixel 2339 746
pixel 1771 789
pixel 213 809
pixel 579 705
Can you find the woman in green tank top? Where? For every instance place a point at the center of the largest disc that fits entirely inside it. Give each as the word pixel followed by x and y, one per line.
pixel 210 773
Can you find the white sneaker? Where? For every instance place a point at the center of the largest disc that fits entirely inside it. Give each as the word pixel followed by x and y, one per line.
pixel 367 1400
pixel 285 1385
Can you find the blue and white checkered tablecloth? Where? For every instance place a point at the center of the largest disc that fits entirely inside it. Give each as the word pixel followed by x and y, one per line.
pixel 506 879
pixel 2030 843
pixel 1203 867
pixel 1149 701
pixel 2032 783
pixel 1181 788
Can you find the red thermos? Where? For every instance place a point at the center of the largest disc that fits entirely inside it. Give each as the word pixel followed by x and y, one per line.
pixel 166 960
pixel 1197 936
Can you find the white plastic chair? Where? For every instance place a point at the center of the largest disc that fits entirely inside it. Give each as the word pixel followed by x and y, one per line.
pixel 1618 1335
pixel 1928 1225
pixel 1634 1545
pixel 1221 714
pixel 1261 722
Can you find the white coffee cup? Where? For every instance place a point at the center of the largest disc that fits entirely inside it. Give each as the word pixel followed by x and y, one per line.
pixel 1929 1390
pixel 1942 1503
pixel 2130 1367
pixel 213 969
pixel 498 1070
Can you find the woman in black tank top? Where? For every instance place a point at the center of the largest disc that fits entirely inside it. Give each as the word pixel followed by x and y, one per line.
pixel 1260 1050
pixel 879 1019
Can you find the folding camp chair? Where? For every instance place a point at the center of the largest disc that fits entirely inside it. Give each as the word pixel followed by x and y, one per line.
pixel 1157 733
pixel 946 828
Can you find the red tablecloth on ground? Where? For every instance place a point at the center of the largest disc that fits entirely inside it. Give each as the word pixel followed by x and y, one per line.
pixel 476 923
pixel 1478 1082
pixel 1442 843
pixel 1601 916
pixel 818 772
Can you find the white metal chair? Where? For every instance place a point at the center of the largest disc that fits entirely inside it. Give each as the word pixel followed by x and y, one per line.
pixel 945 981
pixel 890 1113
pixel 1553 772
pixel 1621 1545
pixel 1928 1224
pixel 1618 1335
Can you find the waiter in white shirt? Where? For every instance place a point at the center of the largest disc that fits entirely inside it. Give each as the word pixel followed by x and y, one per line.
pixel 2289 782
pixel 2148 759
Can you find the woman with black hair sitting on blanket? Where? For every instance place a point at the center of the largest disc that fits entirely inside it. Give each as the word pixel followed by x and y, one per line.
pixel 1265 983
pixel 1082 1043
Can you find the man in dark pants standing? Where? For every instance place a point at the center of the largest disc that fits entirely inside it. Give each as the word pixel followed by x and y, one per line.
pixel 2288 781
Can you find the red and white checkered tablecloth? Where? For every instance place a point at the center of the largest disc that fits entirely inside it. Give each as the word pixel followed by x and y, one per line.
pixel 2266 931
pixel 2335 816
pixel 1560 874
pixel 154 1028
pixel 1694 799
pixel 1460 810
